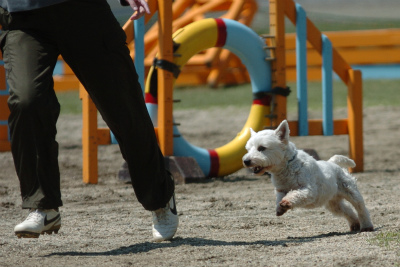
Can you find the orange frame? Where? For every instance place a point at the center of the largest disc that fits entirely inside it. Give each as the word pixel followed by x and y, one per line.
pixel 353 125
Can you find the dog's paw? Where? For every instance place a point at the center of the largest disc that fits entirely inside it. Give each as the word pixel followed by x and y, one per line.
pixel 355 227
pixel 367 229
pixel 283 207
pixel 285 204
pixel 280 211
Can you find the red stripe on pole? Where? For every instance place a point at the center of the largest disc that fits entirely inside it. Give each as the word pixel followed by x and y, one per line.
pixel 214 158
pixel 221 33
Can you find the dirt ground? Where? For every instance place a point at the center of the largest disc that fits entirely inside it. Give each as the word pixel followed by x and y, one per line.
pixel 226 221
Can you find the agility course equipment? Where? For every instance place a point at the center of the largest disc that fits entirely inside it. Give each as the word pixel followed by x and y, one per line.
pixel 332 61
pixel 273 108
pixel 362 47
pixel 213 66
pixel 249 47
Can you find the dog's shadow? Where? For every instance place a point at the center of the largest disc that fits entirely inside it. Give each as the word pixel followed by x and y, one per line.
pixel 197 242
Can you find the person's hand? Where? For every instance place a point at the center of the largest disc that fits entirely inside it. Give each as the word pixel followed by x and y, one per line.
pixel 140 7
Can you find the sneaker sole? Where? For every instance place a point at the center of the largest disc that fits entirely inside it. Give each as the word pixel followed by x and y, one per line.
pixel 26 234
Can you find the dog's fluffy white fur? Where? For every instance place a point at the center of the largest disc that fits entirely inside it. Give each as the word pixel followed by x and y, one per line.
pixel 301 181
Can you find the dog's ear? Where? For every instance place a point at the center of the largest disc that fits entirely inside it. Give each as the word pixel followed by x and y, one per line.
pixel 252 132
pixel 283 132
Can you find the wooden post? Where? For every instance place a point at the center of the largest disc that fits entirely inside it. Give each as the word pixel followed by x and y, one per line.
pixel 165 78
pixel 277 28
pixel 355 119
pixel 89 138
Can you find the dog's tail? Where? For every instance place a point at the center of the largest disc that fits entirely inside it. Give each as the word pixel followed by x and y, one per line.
pixel 342 161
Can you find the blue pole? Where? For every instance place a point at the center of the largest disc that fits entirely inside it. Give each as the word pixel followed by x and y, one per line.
pixel 139 50
pixel 327 84
pixel 301 69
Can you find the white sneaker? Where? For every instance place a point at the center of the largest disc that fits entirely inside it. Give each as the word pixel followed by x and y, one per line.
pixel 39 222
pixel 165 221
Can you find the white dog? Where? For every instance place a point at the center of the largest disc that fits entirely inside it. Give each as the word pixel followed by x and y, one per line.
pixel 301 181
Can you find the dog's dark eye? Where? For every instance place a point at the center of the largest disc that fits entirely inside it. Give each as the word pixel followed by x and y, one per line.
pixel 261 148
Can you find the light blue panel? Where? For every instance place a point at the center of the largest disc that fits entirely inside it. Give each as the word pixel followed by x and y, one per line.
pixel 327 84
pixel 152 109
pixel 301 69
pixel 378 71
pixel 113 139
pixel 249 47
pixel 139 50
pixel 58 69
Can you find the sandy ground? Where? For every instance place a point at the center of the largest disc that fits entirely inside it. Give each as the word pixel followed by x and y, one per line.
pixel 226 221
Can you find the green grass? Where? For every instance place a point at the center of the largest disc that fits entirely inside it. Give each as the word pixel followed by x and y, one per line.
pixel 375 93
pixel 388 240
pixel 70 102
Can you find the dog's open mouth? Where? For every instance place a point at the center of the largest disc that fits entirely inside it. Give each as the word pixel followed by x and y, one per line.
pixel 259 169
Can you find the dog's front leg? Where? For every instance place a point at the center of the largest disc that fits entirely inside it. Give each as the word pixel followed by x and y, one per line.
pixel 279 196
pixel 296 198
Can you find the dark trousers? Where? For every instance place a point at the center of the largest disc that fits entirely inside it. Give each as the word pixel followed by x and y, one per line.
pixel 91 41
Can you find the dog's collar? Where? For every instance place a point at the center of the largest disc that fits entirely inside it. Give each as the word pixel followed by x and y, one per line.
pixel 294 156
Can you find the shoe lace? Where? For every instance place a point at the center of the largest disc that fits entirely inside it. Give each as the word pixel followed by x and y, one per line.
pixel 34 215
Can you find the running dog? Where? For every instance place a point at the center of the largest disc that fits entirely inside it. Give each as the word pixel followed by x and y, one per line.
pixel 301 181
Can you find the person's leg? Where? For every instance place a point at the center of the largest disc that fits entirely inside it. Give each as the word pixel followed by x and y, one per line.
pixel 29 60
pixel 94 47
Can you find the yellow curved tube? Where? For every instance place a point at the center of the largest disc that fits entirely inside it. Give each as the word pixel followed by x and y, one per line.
pixel 192 39
pixel 230 155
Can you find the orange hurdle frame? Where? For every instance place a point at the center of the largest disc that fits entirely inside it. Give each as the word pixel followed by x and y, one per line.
pixel 353 125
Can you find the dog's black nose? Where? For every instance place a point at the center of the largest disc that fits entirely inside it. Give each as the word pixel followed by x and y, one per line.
pixel 247 162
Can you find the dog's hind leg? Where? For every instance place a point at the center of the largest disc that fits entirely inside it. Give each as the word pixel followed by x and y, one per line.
pixel 357 201
pixel 341 208
pixel 349 191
